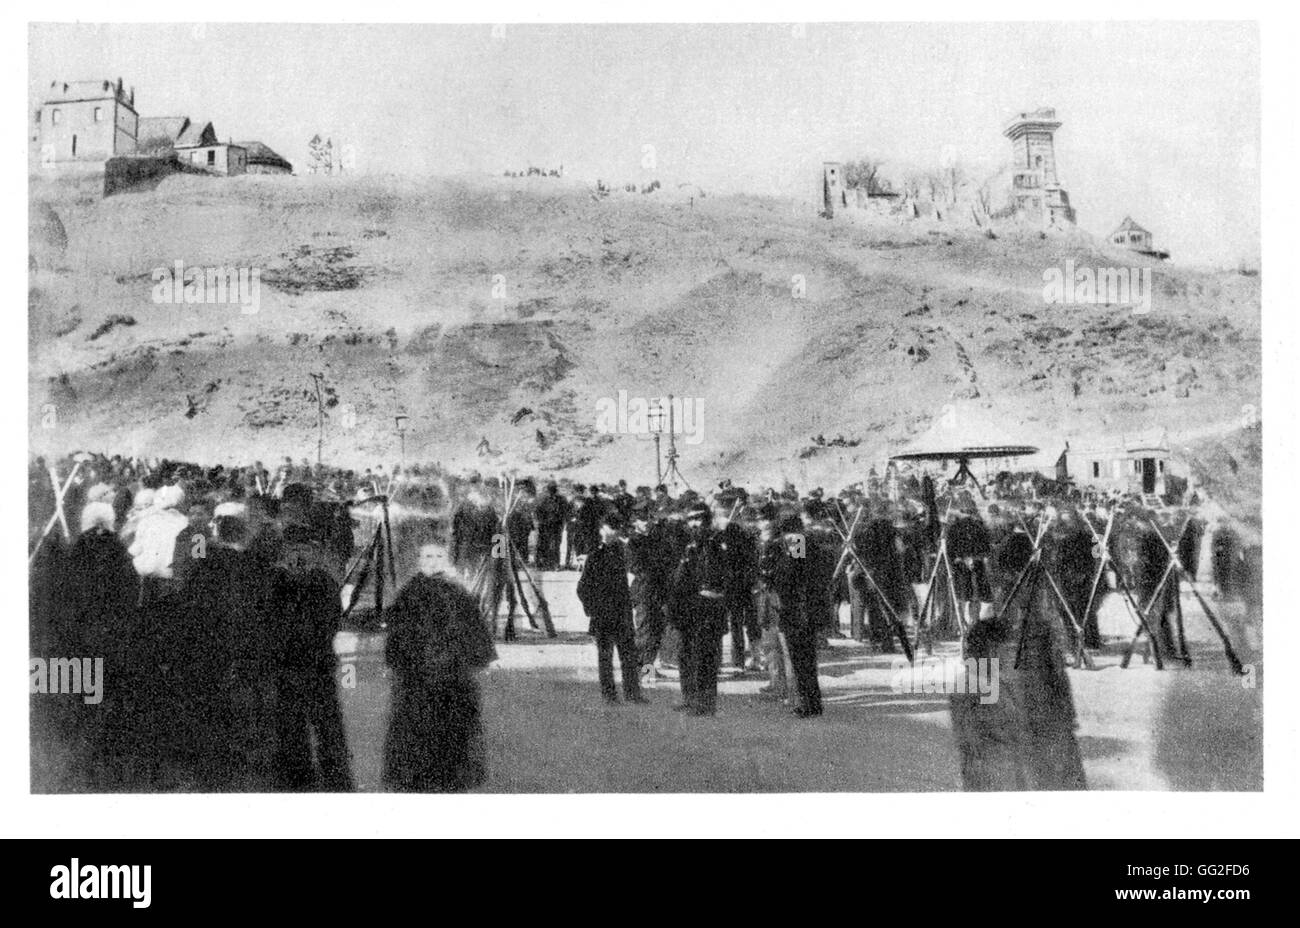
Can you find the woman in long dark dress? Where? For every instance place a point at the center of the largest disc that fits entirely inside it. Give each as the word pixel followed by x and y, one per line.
pixel 437 643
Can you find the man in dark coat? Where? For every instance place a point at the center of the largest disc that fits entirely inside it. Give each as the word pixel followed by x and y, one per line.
pixel 99 591
pixel 1070 558
pixel 474 526
pixel 775 579
pixel 822 549
pixel 234 684
pixel 969 548
pixel 697 609
pixel 552 513
pixel 1024 739
pixel 305 615
pixel 798 624
pixel 880 550
pixel 603 591
pixel 584 528
pixel 742 576
pixel 1142 557
pixel 649 561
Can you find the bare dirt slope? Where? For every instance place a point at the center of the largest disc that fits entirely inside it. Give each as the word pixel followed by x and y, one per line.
pixel 465 302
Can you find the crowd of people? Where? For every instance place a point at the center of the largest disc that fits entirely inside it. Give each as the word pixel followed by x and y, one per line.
pixel 215 595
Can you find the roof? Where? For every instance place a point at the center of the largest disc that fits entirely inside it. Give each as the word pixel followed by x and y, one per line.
pixel 970 453
pixel 197 134
pixel 161 129
pixel 1042 118
pixel 261 154
pixel 967 429
pixel 67 91
pixel 1128 225
pixel 1155 439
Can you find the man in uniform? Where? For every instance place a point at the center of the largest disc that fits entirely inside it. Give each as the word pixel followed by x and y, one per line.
pixel 698 610
pixel 798 625
pixel 650 562
pixel 774 578
pixel 742 567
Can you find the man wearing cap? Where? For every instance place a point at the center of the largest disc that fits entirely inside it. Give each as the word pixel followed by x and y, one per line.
pixel 969 548
pixel 698 610
pixel 822 550
pixel 603 592
pixel 649 561
pixel 775 574
pixel 797 623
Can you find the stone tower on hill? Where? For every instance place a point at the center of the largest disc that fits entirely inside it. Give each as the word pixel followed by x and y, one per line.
pixel 1035 188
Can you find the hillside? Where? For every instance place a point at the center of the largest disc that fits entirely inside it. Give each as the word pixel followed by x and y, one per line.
pixel 465 302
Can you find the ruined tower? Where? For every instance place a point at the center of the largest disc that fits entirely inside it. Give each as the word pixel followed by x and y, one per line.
pixel 1035 188
pixel 833 195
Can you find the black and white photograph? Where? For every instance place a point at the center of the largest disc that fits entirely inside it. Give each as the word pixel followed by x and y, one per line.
pixel 646 408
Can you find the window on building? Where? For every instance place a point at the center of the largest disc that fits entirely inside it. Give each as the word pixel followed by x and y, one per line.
pixel 212 158
pixel 74 146
pixel 1161 465
pixel 99 114
pixel 56 116
pixel 1096 468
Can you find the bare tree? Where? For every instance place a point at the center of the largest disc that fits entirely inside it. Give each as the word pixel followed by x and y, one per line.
pixel 864 174
pixel 316 155
pixel 934 183
pixel 986 193
pixel 954 178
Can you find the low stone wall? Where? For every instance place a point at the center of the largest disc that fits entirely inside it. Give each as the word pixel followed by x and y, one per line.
pixel 128 173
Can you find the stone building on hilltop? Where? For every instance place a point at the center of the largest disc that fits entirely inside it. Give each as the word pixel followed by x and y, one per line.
pixel 82 125
pixel 194 143
pixel 1036 192
pixel 85 123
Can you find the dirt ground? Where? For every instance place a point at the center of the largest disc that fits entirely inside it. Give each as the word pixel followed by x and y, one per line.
pixel 548 731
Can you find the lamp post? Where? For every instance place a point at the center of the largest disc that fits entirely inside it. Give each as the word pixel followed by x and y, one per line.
pixel 401 419
pixel 655 419
pixel 317 380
